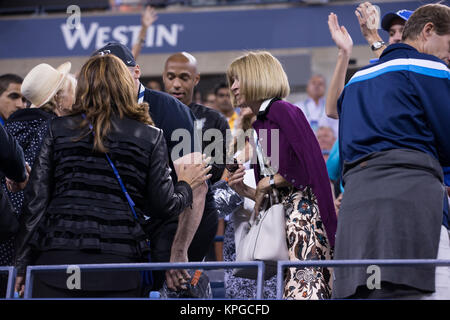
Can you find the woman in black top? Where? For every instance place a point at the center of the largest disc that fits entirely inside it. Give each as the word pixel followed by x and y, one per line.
pixel 50 91
pixel 75 211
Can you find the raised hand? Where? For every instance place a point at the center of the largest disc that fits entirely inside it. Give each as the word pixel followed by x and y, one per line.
pixel 369 19
pixel 148 17
pixel 339 34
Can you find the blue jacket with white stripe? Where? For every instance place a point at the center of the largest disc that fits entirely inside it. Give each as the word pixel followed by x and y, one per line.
pixel 402 101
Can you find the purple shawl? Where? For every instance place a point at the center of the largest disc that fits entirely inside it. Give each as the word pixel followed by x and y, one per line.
pixel 300 159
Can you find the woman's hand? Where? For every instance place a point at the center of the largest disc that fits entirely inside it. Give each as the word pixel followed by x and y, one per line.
pixel 262 189
pixel 340 35
pixel 148 17
pixel 193 171
pixel 236 181
pixel 345 44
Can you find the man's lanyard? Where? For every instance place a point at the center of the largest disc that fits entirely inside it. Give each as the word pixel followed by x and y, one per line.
pixel 141 93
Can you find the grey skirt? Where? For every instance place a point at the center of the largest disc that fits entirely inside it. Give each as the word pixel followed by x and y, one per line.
pixel 392 209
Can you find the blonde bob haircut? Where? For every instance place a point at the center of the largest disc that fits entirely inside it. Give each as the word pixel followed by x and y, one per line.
pixel 261 76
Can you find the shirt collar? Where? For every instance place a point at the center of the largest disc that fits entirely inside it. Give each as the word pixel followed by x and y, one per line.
pixel 396 46
pixel 265 106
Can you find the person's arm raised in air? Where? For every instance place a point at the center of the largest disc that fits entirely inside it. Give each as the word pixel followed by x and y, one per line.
pixel 148 17
pixel 344 43
pixel 369 18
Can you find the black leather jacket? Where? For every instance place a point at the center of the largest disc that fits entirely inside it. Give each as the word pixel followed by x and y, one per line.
pixel 74 202
pixel 12 164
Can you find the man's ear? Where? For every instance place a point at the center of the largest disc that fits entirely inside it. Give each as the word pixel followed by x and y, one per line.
pixel 58 98
pixel 428 30
pixel 197 79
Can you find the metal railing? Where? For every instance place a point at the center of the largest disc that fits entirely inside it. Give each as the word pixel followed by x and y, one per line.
pixel 31 270
pixel 351 263
pixel 281 265
pixel 11 280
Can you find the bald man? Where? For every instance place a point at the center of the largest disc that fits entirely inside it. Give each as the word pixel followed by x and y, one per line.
pixel 180 78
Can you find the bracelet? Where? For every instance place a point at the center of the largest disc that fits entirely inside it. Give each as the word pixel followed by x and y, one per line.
pixel 271 181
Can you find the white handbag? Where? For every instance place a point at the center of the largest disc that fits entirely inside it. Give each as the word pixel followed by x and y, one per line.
pixel 263 238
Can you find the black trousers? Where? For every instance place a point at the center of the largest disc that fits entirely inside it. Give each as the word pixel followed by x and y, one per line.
pixel 93 284
pixel 44 290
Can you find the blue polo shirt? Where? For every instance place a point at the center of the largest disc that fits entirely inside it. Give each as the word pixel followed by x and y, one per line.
pixel 446 176
pixel 401 101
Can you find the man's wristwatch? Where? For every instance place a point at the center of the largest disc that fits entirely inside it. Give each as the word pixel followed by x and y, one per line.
pixel 377 45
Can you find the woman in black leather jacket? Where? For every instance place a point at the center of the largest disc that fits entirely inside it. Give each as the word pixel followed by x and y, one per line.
pixel 75 211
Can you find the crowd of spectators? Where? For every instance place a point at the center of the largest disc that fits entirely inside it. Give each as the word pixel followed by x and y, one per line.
pixel 100 168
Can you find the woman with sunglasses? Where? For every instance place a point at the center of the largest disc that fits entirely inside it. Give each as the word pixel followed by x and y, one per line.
pixel 257 81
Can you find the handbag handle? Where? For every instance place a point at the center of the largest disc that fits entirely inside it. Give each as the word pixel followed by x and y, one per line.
pixel 264 166
pixel 265 169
